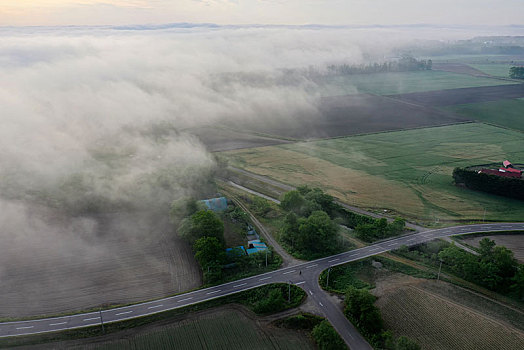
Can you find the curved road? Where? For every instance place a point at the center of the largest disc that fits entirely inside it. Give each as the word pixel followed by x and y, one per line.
pixel 304 275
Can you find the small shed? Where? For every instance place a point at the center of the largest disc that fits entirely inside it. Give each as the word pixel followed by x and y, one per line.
pixel 507 164
pixel 255 246
pixel 235 251
pixel 216 204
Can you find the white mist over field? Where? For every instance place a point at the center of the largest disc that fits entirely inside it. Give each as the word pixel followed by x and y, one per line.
pixel 94 124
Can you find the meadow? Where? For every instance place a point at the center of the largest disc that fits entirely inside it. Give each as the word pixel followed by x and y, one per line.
pixel 507 113
pixel 406 172
pixel 219 329
pixel 495 69
pixel 402 82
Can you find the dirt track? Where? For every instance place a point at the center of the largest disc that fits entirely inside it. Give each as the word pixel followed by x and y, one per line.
pixel 463 95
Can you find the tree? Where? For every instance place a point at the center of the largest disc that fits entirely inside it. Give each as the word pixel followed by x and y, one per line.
pixel 295 202
pixel 516 72
pixel 203 223
pixel 209 251
pixel 404 343
pixel 261 206
pixel 360 306
pixel 326 337
pixel 316 234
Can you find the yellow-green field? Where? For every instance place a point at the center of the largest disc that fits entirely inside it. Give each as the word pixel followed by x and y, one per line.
pixel 408 172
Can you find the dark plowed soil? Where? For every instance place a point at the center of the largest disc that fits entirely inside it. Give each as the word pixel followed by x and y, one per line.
pixel 463 95
pixel 357 114
pixel 460 68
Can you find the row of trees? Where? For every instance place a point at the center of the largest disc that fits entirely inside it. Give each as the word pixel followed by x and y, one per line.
pixel 516 72
pixel 380 229
pixel 404 64
pixel 360 309
pixel 503 186
pixel 494 268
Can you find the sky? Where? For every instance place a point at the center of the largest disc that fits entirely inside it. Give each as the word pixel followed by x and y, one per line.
pixel 294 12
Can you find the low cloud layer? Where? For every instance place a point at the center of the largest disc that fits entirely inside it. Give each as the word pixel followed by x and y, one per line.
pixel 97 121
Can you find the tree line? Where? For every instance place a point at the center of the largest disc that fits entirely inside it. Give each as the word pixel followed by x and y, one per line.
pixel 502 186
pixel 516 72
pixel 494 268
pixel 405 64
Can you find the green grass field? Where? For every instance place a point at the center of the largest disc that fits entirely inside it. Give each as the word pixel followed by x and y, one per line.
pixel 223 329
pixel 507 113
pixel 495 69
pixel 402 82
pixel 407 172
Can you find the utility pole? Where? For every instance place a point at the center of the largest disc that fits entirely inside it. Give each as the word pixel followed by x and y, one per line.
pixel 327 279
pixel 102 321
pixel 266 257
pixel 440 267
pixel 484 216
pixel 289 292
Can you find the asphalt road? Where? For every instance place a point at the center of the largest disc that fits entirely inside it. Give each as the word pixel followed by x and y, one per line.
pixel 304 275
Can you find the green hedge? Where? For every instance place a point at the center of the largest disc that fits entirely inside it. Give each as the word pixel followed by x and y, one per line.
pixel 502 186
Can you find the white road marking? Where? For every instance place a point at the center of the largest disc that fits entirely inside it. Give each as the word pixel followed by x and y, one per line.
pixel 215 291
pixel 123 313
pixel 298 283
pixel 375 248
pixel 154 307
pixel 57 324
pixel 92 318
pixel 391 244
pixel 239 285
pixel 310 292
pixel 265 278
pixel 333 260
pixel 25 327
pixel 320 304
pixel 285 273
pixel 310 266
pixel 184 299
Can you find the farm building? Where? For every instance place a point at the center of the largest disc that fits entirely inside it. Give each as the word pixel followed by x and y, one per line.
pixel 507 170
pixel 216 204
pixel 236 251
pixel 255 246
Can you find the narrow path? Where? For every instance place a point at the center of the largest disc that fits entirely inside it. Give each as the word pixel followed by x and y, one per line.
pixel 287 259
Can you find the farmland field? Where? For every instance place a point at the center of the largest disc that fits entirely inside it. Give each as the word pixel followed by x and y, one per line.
pixel 122 265
pixel 464 95
pixel 356 114
pixel 437 323
pixel 221 139
pixel 495 69
pixel 507 113
pixel 408 171
pixel 218 329
pixel 402 82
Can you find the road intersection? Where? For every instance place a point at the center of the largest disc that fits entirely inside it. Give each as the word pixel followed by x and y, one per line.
pixel 304 275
